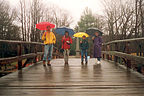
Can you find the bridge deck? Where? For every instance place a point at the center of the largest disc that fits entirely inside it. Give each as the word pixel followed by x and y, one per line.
pixel 74 80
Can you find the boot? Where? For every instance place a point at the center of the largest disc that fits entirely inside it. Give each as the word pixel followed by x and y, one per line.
pixel 82 63
pixel 98 62
pixel 48 63
pixel 86 63
pixel 44 64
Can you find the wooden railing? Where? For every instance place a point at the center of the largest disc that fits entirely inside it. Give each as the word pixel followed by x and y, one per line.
pixel 17 51
pixel 129 52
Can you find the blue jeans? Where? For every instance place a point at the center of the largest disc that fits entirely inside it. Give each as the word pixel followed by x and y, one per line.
pixel 83 53
pixel 48 50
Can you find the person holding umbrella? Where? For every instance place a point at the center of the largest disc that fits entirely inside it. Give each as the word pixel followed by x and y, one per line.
pixel 66 41
pixel 84 45
pixel 49 39
pixel 97 41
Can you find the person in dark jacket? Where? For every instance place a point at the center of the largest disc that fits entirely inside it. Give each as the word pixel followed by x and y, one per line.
pixel 97 47
pixel 84 45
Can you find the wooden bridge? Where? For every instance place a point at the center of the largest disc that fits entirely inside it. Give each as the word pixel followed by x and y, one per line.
pixel 120 73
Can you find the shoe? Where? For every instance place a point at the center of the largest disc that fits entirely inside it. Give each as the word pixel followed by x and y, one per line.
pixel 86 63
pixel 98 62
pixel 82 63
pixel 44 64
pixel 48 63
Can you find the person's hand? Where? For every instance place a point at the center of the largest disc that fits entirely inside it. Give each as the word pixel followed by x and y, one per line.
pixel 80 41
pixel 68 41
pixel 45 33
pixel 93 38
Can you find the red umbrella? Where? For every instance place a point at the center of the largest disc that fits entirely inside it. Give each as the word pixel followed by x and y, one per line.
pixel 43 25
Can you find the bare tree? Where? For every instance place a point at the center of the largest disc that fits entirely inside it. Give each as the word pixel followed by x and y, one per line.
pixel 141 9
pixel 58 16
pixel 125 18
pixel 35 12
pixel 36 17
pixel 8 29
pixel 22 18
pixel 122 19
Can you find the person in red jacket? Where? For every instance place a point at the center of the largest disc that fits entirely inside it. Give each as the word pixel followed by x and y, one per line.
pixel 66 42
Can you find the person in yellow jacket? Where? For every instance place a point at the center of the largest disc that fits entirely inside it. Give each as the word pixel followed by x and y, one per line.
pixel 49 39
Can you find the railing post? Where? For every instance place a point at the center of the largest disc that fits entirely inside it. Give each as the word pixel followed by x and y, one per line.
pixel 108 49
pixel 35 51
pixel 140 49
pixel 38 50
pixel 104 49
pixel 19 53
pixel 111 49
pixel 128 52
pixel 116 49
pixel 143 48
pixel 42 51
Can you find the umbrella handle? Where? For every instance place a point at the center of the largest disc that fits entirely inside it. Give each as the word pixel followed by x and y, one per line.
pixel 93 38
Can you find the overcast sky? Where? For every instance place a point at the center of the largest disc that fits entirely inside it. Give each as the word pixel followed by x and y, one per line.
pixel 75 7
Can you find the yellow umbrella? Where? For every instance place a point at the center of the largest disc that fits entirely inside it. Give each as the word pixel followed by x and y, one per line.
pixel 81 34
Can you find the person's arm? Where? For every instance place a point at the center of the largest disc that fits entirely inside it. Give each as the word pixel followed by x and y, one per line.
pixel 93 38
pixel 54 38
pixel 100 41
pixel 87 45
pixel 44 36
pixel 63 40
pixel 70 40
pixel 80 44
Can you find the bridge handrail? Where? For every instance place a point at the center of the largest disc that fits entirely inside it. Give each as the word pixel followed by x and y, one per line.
pixel 128 51
pixel 20 56
pixel 125 40
pixel 139 59
pixel 23 42
pixel 20 42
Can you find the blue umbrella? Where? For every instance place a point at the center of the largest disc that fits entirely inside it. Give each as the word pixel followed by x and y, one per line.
pixel 62 30
pixel 91 31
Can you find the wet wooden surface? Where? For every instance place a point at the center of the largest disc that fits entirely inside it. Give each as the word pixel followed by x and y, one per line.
pixel 106 79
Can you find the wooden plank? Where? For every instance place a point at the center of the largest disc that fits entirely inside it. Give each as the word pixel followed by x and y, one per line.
pixel 74 80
